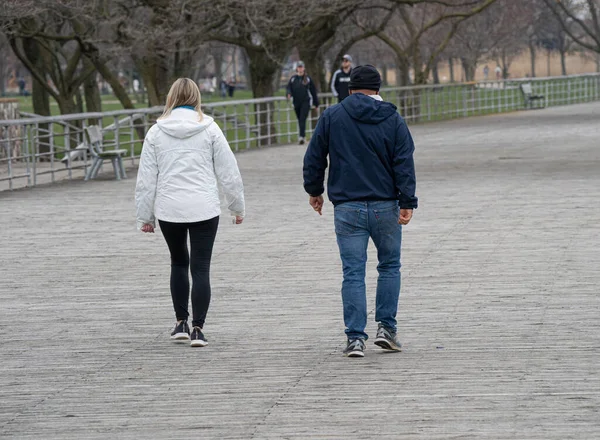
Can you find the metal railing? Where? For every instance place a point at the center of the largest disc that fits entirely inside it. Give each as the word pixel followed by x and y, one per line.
pixel 54 147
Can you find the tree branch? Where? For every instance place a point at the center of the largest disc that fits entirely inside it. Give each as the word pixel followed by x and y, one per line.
pixel 32 69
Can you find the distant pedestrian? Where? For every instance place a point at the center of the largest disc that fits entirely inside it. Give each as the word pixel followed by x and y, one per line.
pixel 185 158
pixel 231 86
pixel 22 84
pixel 486 72
pixel 341 79
pixel 368 150
pixel 498 72
pixel 303 92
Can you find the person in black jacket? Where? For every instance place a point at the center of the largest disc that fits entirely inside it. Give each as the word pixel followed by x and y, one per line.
pixel 341 78
pixel 303 92
pixel 372 186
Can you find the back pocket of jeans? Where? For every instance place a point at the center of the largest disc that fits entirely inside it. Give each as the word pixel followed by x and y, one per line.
pixel 346 221
pixel 387 220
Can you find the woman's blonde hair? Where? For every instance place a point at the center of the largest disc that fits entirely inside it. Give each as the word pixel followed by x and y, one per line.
pixel 184 91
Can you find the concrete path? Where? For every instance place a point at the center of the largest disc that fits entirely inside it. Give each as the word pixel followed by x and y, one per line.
pixel 499 312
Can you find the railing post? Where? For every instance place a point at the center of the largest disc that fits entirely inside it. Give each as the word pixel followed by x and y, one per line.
pixel 236 128
pixel 27 139
pixel 288 122
pixel 117 134
pixel 248 124
pixel 132 137
pixel 9 159
pixel 68 150
pixel 268 107
pixel 35 151
pixel 52 150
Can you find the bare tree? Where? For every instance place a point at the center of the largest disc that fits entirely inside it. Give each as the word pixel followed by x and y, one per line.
pixel 414 24
pixel 497 32
pixel 580 20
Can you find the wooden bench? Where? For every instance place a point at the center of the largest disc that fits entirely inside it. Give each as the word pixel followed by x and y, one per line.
pixel 530 98
pixel 94 139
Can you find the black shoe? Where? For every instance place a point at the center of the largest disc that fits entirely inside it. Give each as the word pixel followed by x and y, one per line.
pixel 181 332
pixel 301 141
pixel 386 339
pixel 198 339
pixel 355 348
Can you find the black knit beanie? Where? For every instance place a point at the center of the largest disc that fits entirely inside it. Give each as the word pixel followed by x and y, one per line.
pixel 364 77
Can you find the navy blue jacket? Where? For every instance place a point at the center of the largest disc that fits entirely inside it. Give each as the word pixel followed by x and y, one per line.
pixel 370 150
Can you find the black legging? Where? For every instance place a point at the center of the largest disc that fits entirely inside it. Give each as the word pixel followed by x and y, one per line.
pixel 302 110
pixel 202 238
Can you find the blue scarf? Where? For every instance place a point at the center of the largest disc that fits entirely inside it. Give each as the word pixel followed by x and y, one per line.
pixel 189 107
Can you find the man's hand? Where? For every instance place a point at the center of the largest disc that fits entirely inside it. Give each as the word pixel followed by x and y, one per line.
pixel 316 203
pixel 148 228
pixel 405 216
pixel 288 97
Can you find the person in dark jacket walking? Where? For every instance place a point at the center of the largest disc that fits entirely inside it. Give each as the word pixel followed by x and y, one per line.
pixel 372 187
pixel 303 92
pixel 341 78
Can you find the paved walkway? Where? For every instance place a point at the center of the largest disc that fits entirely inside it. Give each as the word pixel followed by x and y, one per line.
pixel 500 312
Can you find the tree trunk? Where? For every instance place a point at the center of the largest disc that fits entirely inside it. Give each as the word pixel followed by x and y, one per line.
pixel 67 105
pixel 451 68
pixel 155 72
pixel 315 67
pixel 563 62
pixel 505 65
pixel 78 102
pixel 93 102
pixel 39 92
pixel 311 42
pixel 436 74
pixel 182 62
pixel 217 55
pixel 403 76
pixel 469 69
pixel 40 98
pixel 93 55
pixel 41 106
pixel 2 76
pixel 263 71
pixel 532 51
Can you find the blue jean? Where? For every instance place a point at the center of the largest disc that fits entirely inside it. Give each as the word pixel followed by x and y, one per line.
pixel 355 222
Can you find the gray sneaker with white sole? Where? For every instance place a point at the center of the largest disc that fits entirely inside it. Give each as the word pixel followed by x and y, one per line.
pixel 387 339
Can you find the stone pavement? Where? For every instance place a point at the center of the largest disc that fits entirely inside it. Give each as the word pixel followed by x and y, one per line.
pixel 499 311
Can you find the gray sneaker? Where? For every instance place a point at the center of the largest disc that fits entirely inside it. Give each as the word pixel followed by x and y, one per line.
pixel 386 339
pixel 355 348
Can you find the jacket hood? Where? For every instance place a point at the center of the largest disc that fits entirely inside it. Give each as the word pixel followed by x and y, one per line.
pixel 183 123
pixel 363 108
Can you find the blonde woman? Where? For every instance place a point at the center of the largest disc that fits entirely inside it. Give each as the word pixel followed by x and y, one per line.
pixel 184 160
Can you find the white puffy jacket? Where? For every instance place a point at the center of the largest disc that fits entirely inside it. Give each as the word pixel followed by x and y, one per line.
pixel 183 162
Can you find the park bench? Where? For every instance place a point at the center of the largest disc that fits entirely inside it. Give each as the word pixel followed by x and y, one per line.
pixel 94 140
pixel 529 97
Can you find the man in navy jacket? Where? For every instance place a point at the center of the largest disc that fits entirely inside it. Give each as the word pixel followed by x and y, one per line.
pixel 372 187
